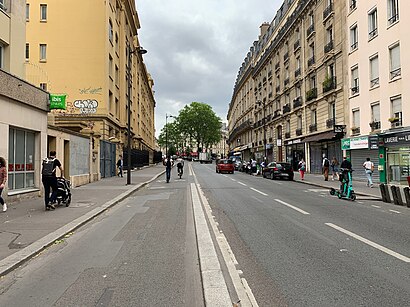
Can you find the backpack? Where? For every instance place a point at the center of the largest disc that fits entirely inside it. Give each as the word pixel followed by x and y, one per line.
pixel 48 167
pixel 326 164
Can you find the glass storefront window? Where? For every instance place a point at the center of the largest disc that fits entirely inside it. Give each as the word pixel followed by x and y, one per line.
pixel 398 165
pixel 21 159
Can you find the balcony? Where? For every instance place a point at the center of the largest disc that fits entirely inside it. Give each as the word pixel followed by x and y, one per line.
pixel 299 131
pixel 352 5
pixel 355 130
pixel 396 121
pixel 297 72
pixel 270 140
pixel 330 123
pixel 278 89
pixel 329 84
pixel 296 45
pixel 310 30
pixel 269 75
pixel 286 108
pixel 311 61
pixel 374 82
pixel 286 57
pixel 393 19
pixel 277 66
pixel 297 102
pixel 355 90
pixel 311 94
pixel 354 46
pixel 395 73
pixel 328 47
pixel 312 127
pixel 286 81
pixel 287 135
pixel 270 95
pixel 375 125
pixel 276 114
pixel 328 11
pixel 373 33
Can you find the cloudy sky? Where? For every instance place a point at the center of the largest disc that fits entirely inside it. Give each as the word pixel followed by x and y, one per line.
pixel 195 49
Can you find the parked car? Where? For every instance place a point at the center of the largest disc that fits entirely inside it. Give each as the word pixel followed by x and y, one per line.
pixel 276 170
pixel 237 161
pixel 225 165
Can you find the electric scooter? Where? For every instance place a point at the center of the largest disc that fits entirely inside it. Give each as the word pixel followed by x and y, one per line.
pixel 346 188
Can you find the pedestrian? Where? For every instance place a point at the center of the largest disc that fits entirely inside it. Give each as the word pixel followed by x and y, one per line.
pixel 120 165
pixel 369 169
pixel 325 167
pixel 346 164
pixel 49 179
pixel 302 168
pixel 3 179
pixel 335 168
pixel 253 166
pixel 168 165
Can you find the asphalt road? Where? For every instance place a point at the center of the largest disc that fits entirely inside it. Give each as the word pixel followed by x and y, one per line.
pixel 299 246
pixel 141 252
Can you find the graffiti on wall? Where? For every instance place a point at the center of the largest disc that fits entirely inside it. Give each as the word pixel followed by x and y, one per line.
pixel 86 106
pixel 90 91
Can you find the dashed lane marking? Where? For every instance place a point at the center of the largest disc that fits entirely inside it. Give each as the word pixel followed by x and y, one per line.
pixel 292 207
pixel 394 211
pixel 260 192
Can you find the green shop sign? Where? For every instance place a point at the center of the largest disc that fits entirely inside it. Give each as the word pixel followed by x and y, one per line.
pixel 57 102
pixel 345 144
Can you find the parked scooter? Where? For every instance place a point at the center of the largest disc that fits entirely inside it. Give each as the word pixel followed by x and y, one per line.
pixel 346 188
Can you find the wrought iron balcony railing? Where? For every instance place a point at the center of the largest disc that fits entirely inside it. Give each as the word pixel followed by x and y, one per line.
pixel 330 122
pixel 312 127
pixel 311 94
pixel 328 11
pixel 286 108
pixel 297 102
pixel 328 47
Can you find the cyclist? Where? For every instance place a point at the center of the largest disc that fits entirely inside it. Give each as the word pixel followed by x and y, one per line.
pixel 180 166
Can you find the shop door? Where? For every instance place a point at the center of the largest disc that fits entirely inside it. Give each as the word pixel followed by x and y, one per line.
pixel 358 157
pixel 316 159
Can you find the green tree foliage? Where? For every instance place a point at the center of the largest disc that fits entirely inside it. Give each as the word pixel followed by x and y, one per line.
pixel 196 124
pixel 199 123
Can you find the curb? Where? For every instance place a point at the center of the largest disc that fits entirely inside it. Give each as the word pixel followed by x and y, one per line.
pixel 13 261
pixel 327 187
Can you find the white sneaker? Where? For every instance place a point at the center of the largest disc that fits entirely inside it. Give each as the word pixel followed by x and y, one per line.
pixel 4 207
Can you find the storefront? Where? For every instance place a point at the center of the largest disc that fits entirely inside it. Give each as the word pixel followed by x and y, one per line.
pixel 397 147
pixel 295 151
pixel 323 144
pixel 359 149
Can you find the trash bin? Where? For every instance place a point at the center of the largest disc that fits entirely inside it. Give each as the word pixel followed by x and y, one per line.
pixel 408 180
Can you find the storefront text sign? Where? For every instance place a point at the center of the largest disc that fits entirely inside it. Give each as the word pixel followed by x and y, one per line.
pixel 57 102
pixel 355 143
pixel 297 141
pixel 373 142
pixel 400 138
pixel 339 128
pixel 345 144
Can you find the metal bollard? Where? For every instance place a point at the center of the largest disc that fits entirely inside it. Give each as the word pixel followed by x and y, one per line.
pixel 407 195
pixel 383 192
pixel 396 196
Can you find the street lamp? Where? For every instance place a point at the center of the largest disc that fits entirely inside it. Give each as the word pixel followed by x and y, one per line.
pixel 263 103
pixel 141 51
pixel 166 133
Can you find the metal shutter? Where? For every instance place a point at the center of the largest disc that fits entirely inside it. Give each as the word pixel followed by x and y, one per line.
pixel 358 157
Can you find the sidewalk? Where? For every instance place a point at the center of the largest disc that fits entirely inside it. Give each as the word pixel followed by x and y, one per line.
pixel 26 228
pixel 359 187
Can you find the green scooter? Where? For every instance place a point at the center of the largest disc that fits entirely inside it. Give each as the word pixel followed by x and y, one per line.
pixel 346 188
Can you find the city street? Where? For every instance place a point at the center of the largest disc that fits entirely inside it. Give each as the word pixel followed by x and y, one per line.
pixel 216 239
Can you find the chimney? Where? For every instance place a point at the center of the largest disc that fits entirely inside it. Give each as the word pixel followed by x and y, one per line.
pixel 264 28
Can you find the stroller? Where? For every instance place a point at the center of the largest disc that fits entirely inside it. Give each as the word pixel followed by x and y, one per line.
pixel 63 191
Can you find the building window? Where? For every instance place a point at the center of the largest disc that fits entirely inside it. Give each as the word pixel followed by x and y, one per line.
pixel 21 159
pixel 356 121
pixel 375 123
pixel 43 12
pixel 117 75
pixel 27 51
pixel 396 111
pixel 43 86
pixel 395 67
pixel 392 11
pixel 355 80
pixel 3 5
pixel 332 110
pixel 110 102
pixel 299 122
pixel 43 52
pixel 110 31
pixel 374 71
pixel 352 4
pixel 372 23
pixel 27 11
pixel 353 38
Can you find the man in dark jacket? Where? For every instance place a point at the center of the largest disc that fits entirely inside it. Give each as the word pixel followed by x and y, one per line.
pixel 49 179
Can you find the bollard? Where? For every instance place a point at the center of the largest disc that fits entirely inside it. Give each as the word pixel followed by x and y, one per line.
pixel 407 195
pixel 383 192
pixel 396 196
pixel 386 193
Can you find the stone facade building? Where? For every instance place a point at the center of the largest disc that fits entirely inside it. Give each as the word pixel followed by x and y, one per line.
pixel 290 93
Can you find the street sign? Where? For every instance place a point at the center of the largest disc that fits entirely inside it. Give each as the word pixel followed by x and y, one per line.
pixel 339 128
pixel 57 102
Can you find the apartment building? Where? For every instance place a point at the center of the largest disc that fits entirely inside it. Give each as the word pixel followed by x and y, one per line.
pixel 379 110
pixel 89 51
pixel 297 101
pixel 23 120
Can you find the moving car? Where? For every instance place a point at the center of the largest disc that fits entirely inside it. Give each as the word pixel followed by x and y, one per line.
pixel 276 170
pixel 237 161
pixel 225 165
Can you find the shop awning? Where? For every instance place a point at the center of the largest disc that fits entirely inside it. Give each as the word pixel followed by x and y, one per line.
pixel 324 136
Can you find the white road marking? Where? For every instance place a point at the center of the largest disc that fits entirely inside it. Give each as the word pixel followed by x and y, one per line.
pixel 293 207
pixel 277 182
pixel 242 183
pixel 376 206
pixel 368 242
pixel 318 190
pixel 394 211
pixel 259 191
